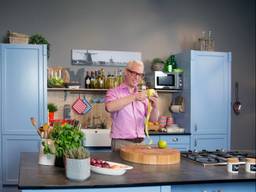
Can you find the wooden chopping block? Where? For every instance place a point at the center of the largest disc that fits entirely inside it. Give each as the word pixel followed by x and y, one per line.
pixel 145 154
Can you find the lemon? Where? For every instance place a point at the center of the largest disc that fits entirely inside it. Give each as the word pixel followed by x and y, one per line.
pixel 162 144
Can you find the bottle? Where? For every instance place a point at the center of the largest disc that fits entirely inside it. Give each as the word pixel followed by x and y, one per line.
pixel 92 83
pixel 168 65
pixel 96 82
pixel 67 112
pixel 202 42
pixel 173 62
pixel 87 81
pixel 120 76
pixel 210 42
pixel 103 78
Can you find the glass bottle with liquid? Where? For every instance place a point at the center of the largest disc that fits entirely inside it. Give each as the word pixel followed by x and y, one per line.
pixel 87 81
pixel 92 83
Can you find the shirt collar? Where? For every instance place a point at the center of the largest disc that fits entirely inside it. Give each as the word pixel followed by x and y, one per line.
pixel 125 86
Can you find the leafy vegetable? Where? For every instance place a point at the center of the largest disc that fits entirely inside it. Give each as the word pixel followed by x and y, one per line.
pixel 66 137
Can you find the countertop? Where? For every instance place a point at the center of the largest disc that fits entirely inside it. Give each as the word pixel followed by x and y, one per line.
pixel 34 176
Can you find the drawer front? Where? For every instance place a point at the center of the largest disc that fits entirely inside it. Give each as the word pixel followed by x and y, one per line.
pixel 180 147
pixel 176 139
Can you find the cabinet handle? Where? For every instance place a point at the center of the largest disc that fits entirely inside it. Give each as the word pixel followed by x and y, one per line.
pixel 195 128
pixel 175 139
pixel 195 144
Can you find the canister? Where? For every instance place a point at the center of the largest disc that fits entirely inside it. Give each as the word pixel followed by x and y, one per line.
pixel 233 165
pixel 250 165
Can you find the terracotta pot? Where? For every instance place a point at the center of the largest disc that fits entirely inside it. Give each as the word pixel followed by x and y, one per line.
pixel 51 116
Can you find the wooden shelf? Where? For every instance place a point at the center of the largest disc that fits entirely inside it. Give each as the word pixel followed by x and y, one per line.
pixel 77 90
pixel 102 90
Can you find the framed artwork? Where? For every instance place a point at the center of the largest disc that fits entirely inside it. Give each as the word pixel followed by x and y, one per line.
pixel 103 58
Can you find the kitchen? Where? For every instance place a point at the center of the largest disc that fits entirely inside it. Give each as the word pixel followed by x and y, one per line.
pixel 156 29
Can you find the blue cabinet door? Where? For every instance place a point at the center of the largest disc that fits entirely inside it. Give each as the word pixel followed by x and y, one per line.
pixel 23 84
pixel 218 187
pixel 0 158
pixel 23 87
pixel 207 93
pixel 210 92
pixel 118 189
pixel 209 142
pixel 12 147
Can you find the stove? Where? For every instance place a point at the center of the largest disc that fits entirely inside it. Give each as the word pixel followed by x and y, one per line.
pixel 218 157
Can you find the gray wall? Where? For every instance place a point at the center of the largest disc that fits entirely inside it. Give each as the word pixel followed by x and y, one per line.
pixel 154 27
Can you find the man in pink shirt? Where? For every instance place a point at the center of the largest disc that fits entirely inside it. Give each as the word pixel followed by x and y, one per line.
pixel 128 108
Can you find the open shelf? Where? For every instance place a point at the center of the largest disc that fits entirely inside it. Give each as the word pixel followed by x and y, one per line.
pixel 102 90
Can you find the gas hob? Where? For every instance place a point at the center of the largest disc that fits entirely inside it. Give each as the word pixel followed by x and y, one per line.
pixel 218 157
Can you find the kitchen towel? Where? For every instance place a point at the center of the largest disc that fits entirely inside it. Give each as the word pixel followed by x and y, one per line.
pixel 79 106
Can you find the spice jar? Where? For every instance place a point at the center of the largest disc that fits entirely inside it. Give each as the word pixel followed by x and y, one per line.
pixel 250 165
pixel 233 165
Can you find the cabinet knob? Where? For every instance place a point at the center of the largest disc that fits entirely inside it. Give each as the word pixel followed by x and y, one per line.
pixel 175 139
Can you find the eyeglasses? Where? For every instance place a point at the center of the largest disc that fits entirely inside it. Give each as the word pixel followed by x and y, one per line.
pixel 134 73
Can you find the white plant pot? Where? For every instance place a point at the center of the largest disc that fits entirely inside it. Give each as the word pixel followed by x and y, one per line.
pixel 45 159
pixel 78 169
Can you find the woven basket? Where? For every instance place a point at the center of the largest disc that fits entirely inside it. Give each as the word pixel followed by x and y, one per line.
pixel 21 40
pixel 18 38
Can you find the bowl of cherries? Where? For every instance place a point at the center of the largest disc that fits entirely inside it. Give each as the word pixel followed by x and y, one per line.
pixel 108 167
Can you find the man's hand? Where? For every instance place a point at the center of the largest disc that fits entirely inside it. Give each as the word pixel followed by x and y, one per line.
pixel 154 100
pixel 140 96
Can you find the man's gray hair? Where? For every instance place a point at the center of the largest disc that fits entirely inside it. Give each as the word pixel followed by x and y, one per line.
pixel 134 62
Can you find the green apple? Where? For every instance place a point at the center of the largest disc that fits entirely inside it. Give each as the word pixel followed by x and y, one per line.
pixel 162 144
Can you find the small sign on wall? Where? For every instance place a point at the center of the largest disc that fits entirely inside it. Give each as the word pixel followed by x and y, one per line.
pixel 103 58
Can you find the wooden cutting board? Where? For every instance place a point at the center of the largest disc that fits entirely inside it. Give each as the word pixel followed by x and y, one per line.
pixel 146 154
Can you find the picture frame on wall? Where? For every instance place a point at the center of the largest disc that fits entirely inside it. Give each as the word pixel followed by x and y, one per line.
pixel 103 57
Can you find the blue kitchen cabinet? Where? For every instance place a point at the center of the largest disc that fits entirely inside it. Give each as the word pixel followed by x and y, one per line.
pixel 180 142
pixel 208 142
pixel 117 189
pixel 207 94
pixel 23 84
pixel 216 187
pixel 13 145
pixel 1 185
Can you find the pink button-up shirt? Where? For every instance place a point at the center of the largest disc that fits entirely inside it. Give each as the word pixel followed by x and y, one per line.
pixel 128 122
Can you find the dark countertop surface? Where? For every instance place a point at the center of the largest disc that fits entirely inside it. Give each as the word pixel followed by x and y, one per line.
pixel 34 176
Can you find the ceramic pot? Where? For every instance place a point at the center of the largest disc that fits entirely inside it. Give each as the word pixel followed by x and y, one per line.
pixel 78 169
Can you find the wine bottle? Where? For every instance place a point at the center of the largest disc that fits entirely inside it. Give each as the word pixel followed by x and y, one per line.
pixel 87 80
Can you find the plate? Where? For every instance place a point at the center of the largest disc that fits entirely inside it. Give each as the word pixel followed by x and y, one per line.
pixel 120 169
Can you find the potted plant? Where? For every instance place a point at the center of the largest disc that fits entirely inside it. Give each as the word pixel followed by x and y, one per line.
pixel 47 152
pixel 77 164
pixel 51 109
pixel 65 137
pixel 39 39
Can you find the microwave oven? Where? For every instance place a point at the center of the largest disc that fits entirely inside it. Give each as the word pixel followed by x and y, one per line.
pixel 170 80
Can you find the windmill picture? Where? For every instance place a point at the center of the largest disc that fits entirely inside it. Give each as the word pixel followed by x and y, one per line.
pixel 103 58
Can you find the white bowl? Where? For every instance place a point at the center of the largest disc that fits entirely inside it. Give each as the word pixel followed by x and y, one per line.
pixel 111 171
